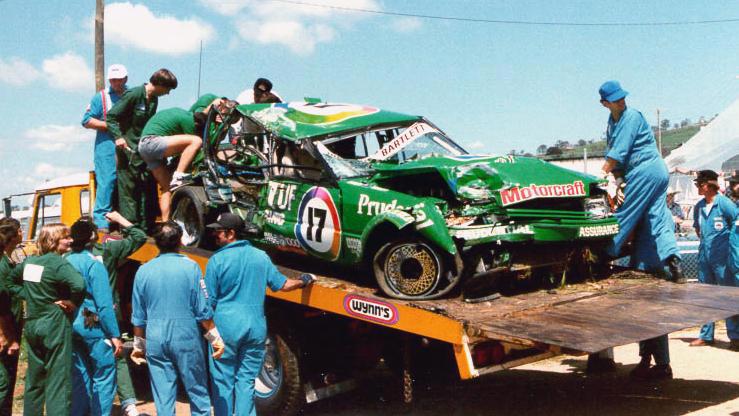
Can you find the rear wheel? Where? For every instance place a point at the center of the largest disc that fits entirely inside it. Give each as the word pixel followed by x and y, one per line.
pixel 278 389
pixel 189 213
pixel 412 269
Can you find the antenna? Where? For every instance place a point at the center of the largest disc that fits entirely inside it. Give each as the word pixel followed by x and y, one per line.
pixel 200 65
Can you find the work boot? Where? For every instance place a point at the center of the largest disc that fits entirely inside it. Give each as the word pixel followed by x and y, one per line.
pixel 734 345
pixel 599 365
pixel 641 371
pixel 676 272
pixel 660 372
pixel 700 343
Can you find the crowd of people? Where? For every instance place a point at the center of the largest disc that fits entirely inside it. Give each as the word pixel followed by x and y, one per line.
pixel 208 331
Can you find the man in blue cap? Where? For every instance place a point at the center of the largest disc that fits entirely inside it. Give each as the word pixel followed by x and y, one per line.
pixel 713 217
pixel 632 152
pixel 237 277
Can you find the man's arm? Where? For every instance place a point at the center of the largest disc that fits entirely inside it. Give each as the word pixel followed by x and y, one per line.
pixel 93 118
pixel 116 250
pixel 76 283
pixel 122 110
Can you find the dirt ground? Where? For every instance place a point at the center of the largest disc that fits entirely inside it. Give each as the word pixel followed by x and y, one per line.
pixel 706 383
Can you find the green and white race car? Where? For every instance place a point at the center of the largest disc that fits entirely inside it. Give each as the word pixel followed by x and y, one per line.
pixel 354 184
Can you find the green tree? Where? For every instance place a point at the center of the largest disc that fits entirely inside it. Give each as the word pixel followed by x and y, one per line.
pixel 665 124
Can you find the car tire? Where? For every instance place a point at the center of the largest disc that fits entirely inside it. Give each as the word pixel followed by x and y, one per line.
pixel 188 211
pixel 412 269
pixel 279 386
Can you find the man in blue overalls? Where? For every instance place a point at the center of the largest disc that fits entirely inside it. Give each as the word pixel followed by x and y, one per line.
pixel 105 163
pixel 631 149
pixel 237 277
pixel 169 307
pixel 733 268
pixel 713 218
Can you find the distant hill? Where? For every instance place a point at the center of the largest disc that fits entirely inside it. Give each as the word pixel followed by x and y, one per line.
pixel 671 139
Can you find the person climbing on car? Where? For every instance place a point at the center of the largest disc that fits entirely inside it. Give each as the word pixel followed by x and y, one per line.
pixel 631 148
pixel 713 217
pixel 126 121
pixel 104 160
pixel 236 278
pixel 261 93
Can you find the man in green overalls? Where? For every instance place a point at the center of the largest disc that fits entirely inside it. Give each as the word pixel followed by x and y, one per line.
pixel 137 198
pixel 113 253
pixel 52 289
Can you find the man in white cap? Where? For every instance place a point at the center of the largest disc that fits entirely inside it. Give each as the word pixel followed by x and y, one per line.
pixel 95 118
pixel 677 212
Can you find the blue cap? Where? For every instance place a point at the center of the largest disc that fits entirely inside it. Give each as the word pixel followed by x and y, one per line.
pixel 611 91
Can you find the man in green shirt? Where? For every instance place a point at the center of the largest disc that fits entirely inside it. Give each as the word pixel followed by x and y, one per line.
pixel 126 121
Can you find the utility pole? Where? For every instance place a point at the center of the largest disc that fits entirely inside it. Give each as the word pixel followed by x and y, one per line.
pixel 659 134
pixel 99 45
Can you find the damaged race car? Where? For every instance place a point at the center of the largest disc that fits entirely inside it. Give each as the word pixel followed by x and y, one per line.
pixel 354 184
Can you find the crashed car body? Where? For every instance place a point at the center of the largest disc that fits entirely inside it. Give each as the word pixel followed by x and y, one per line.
pixel 355 184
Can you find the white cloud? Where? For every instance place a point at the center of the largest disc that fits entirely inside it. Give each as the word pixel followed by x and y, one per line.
pixel 476 145
pixel 16 71
pixel 54 137
pixel 46 171
pixel 136 26
pixel 68 72
pixel 406 24
pixel 297 27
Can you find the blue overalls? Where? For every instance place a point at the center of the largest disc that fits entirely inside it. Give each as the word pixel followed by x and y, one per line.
pixel 630 142
pixel 105 162
pixel 169 302
pixel 237 277
pixel 93 362
pixel 713 253
pixel 732 324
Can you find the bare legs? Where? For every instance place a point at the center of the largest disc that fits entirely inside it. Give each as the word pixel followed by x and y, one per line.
pixel 186 145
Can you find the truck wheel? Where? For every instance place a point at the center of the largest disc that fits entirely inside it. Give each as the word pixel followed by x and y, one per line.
pixel 189 213
pixel 279 388
pixel 412 269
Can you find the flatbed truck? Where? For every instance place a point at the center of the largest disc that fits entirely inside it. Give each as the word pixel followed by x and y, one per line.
pixel 324 337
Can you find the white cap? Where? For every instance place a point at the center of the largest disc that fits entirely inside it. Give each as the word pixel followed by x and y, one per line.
pixel 117 71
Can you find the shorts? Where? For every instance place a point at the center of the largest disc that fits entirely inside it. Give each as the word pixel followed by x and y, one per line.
pixel 151 150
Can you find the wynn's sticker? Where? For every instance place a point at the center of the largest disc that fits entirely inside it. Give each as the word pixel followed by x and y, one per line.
pixel 408 135
pixel 519 194
pixel 318 229
pixel 371 309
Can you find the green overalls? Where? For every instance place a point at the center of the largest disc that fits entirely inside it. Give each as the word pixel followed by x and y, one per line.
pixel 137 192
pixel 113 254
pixel 12 305
pixel 42 280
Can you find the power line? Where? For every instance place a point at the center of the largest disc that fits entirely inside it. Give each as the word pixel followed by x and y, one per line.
pixel 507 22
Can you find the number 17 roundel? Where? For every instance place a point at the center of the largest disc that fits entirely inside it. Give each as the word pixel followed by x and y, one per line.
pixel 318 228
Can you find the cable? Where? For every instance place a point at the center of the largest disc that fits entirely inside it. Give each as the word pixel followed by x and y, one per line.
pixel 508 22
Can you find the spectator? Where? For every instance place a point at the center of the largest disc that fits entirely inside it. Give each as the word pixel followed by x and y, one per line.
pixel 631 148
pixel 95 333
pixel 171 132
pixel 52 289
pixel 259 94
pixel 237 277
pixel 169 304
pixel 11 236
pixel 126 121
pixel 713 217
pixel 677 212
pixel 733 189
pixel 105 164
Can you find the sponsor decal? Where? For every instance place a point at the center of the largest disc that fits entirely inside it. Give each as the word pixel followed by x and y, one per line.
pixel 274 218
pixel 408 135
pixel 371 309
pixel 281 195
pixel 281 241
pixel 322 113
pixel 598 230
pixel 366 206
pixel 354 245
pixel 476 233
pixel 519 194
pixel 505 159
pixel 318 228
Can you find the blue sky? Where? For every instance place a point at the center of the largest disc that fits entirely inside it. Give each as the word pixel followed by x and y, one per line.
pixel 492 87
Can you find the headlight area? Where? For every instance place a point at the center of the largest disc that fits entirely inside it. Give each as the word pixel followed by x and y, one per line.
pixel 598 207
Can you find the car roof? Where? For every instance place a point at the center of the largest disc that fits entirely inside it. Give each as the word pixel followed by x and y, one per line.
pixel 297 121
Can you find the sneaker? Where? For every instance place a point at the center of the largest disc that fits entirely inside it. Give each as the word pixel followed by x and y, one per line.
pixel 660 372
pixel 179 179
pixel 131 410
pixel 676 272
pixel 641 371
pixel 700 343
